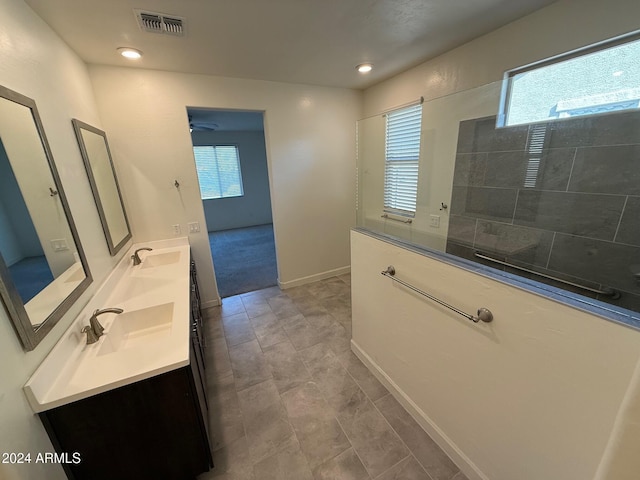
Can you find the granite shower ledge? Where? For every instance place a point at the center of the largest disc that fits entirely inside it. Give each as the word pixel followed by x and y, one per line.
pixel 158 289
pixel 607 312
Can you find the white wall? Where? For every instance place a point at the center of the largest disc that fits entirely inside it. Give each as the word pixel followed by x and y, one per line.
pixel 310 138
pixel 36 63
pixel 542 414
pixel 533 395
pixel 254 206
pixel 558 28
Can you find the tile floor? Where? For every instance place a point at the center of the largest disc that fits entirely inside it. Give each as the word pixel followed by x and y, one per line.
pixel 288 399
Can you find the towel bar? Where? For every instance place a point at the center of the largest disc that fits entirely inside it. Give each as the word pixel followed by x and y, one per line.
pixel 484 314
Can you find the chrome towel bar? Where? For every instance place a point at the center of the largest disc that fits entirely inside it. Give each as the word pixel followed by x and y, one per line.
pixel 484 314
pixel 606 292
pixel 408 220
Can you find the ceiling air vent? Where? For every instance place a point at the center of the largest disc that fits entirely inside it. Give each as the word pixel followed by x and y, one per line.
pixel 160 23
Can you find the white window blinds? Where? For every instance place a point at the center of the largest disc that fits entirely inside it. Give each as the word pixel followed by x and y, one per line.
pixel 402 154
pixel 218 170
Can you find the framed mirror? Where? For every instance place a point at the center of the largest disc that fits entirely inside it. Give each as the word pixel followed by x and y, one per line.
pixel 104 184
pixel 43 269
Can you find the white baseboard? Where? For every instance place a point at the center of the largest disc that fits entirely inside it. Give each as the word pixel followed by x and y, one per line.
pixel 460 459
pixel 314 278
pixel 211 303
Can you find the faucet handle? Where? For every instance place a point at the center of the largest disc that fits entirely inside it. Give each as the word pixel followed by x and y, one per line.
pixel 91 335
pixel 96 326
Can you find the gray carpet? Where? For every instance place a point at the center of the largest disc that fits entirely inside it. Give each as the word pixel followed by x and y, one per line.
pixel 244 259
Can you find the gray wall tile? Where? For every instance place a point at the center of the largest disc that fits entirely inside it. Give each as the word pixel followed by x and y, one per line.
pixel 506 169
pixel 629 230
pixel 469 169
pixel 605 262
pixel 627 300
pixel 484 202
pixel 574 132
pixel 463 251
pixel 555 168
pixel 615 128
pixel 492 139
pixel 607 170
pixel 587 170
pixel 594 216
pixel 523 244
pixel 462 230
pixel 466 136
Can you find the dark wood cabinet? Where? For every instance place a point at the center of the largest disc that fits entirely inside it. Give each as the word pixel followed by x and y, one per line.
pixel 152 429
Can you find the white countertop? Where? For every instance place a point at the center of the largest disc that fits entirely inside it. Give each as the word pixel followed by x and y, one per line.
pixel 155 291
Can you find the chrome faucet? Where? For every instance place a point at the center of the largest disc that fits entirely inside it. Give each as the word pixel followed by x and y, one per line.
pixel 91 335
pixel 94 330
pixel 136 257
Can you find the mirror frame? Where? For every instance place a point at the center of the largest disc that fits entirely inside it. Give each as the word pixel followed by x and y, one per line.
pixel 77 126
pixel 30 336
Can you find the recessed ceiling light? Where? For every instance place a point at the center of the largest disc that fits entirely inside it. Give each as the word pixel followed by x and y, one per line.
pixel 130 53
pixel 364 67
pixel 618 73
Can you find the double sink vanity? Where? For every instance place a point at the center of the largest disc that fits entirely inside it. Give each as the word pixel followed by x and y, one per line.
pixel 133 403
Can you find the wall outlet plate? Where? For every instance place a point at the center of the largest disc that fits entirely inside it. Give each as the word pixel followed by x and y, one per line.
pixel 434 221
pixel 59 245
pixel 176 229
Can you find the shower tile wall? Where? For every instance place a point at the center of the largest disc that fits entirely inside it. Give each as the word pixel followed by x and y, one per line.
pixel 562 198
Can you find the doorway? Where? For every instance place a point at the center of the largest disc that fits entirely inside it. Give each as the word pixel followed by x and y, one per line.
pixel 231 161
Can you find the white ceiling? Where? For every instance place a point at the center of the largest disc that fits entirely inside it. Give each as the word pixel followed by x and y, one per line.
pixel 316 42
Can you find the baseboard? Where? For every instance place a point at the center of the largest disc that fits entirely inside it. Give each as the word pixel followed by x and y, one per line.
pixel 314 278
pixel 211 303
pixel 460 459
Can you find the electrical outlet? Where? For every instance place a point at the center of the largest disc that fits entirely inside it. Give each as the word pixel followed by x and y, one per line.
pixel 59 245
pixel 176 229
pixel 194 227
pixel 434 221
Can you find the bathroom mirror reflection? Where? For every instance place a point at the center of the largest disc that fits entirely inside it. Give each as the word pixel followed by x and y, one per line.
pixel 43 269
pixel 104 184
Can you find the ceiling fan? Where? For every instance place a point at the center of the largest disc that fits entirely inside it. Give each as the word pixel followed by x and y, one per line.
pixel 202 125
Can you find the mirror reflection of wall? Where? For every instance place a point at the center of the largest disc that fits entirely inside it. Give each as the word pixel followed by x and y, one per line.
pixel 42 266
pixel 19 241
pixel 104 184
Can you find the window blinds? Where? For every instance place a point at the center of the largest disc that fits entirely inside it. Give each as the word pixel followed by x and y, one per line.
pixel 218 170
pixel 402 152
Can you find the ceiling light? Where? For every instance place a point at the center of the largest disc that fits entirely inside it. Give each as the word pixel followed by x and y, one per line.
pixel 618 73
pixel 364 67
pixel 130 53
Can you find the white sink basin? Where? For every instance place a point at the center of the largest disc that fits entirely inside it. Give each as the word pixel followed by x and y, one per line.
pixel 160 259
pixel 137 327
pixel 149 338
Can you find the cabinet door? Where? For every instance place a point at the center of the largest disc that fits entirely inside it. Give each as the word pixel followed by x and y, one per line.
pixel 153 429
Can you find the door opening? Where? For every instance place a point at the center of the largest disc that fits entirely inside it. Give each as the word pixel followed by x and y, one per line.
pixel 231 161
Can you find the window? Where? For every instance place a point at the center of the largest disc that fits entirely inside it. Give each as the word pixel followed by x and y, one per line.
pixel 599 79
pixel 402 154
pixel 218 168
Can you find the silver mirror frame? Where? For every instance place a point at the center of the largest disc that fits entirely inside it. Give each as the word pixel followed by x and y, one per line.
pixel 77 126
pixel 30 336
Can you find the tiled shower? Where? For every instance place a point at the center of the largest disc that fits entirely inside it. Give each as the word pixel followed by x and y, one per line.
pixel 561 198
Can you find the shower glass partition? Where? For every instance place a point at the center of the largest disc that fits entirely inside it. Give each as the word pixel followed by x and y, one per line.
pixel 553 205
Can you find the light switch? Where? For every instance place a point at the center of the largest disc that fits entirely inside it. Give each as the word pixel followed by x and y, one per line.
pixel 194 227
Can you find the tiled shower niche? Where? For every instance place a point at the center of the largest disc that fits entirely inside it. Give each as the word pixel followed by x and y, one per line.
pixel 561 198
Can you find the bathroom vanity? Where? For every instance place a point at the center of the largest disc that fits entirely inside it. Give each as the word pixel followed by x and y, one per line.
pixel 132 405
